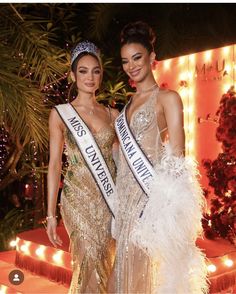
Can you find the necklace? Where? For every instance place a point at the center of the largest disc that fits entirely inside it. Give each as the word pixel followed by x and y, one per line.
pixel 148 89
pixel 89 111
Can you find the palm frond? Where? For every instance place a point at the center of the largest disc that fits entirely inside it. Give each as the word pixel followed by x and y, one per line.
pixel 35 45
pixel 24 112
pixel 29 61
pixel 99 19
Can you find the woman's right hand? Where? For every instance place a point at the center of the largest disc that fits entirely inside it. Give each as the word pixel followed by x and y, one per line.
pixel 52 232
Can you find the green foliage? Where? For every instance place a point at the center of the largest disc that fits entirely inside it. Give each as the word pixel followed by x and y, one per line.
pixel 14 222
pixel 30 61
pixel 32 64
pixel 100 18
pixel 113 90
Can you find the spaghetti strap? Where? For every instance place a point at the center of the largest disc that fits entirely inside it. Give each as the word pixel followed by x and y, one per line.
pixel 159 132
pixel 163 130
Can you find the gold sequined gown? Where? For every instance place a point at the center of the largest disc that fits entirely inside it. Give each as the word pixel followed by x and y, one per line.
pixel 87 218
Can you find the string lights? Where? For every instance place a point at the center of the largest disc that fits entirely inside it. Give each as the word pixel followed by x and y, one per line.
pixel 43 252
pixel 4 148
pixel 40 252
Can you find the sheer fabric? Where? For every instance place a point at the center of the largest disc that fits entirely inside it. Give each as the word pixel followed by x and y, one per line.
pixel 133 268
pixel 145 264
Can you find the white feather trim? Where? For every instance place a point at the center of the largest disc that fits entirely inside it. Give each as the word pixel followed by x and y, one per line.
pixel 170 225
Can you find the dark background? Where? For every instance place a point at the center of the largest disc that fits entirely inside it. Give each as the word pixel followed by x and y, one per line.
pixel 181 28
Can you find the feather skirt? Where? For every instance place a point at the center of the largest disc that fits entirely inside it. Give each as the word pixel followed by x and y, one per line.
pixel 170 225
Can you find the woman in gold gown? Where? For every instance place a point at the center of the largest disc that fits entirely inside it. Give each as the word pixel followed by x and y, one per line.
pixel 155 231
pixel 84 211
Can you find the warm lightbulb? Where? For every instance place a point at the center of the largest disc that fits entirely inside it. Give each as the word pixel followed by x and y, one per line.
pixel 190 145
pixel 183 76
pixel 190 109
pixel 211 268
pixel 3 289
pixel 182 60
pixel 40 251
pixel 190 75
pixel 13 243
pixel 183 92
pixel 228 262
pixel 58 257
pixel 208 55
pixel 24 248
pixel 192 57
pixel 167 64
pixel 226 50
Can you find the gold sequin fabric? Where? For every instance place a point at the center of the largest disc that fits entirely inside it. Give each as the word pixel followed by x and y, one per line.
pixel 87 218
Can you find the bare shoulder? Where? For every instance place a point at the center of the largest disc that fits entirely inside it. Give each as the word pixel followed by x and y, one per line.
pixel 168 97
pixel 55 119
pixel 53 115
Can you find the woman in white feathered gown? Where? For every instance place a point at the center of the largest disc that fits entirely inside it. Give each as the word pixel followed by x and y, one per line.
pixel 156 252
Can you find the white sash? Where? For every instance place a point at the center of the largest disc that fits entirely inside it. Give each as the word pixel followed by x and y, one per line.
pixel 90 152
pixel 138 162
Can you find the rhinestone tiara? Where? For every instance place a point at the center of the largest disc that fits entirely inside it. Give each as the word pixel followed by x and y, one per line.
pixel 85 46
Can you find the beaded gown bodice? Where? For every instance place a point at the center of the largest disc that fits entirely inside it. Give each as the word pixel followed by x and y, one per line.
pixel 144 127
pixel 87 217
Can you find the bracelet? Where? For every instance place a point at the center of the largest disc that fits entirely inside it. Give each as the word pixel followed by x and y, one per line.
pixel 49 217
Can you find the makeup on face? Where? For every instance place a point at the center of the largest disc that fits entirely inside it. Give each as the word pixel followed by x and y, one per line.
pixel 135 60
pixel 88 73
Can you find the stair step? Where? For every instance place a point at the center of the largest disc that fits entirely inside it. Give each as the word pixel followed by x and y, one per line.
pixel 35 253
pixel 32 284
pixel 48 269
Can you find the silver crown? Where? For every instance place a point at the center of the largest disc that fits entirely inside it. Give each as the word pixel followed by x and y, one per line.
pixel 82 47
